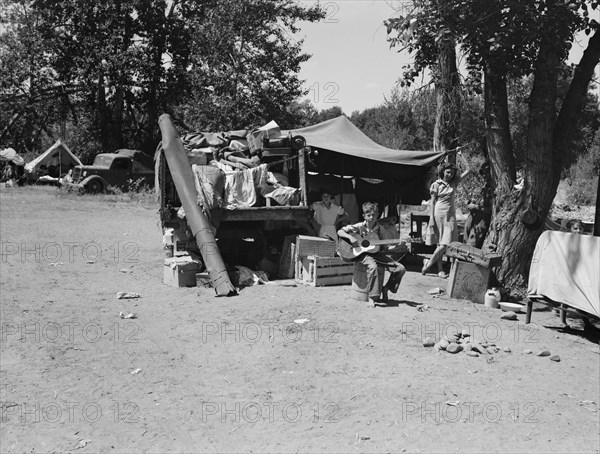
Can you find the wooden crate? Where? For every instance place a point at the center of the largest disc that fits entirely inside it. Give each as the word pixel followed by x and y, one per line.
pixel 323 271
pixel 468 281
pixel 313 245
pixel 287 260
pixel 472 254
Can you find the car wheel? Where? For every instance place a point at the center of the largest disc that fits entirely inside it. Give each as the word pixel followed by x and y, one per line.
pixel 95 187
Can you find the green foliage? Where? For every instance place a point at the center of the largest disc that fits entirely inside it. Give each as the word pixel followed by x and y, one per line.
pixel 582 177
pixel 138 185
pixel 582 191
pixel 110 68
pixel 593 157
pixel 27 94
pixel 328 114
pixel 404 121
pixel 584 135
pixel 504 32
pixel 300 114
pixel 245 62
pixel 136 191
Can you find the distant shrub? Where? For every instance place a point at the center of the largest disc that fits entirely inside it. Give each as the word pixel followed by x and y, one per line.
pixel 582 191
pixel 583 179
pixel 114 190
pixel 138 193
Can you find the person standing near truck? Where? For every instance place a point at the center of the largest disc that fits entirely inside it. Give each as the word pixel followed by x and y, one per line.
pixel 327 214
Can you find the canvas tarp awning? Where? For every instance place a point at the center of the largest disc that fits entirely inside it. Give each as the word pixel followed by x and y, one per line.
pixel 343 149
pixel 59 151
pixel 565 268
pixel 342 136
pixel 10 155
pixel 137 156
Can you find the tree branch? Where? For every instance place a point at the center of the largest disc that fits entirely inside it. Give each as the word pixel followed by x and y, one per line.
pixel 571 107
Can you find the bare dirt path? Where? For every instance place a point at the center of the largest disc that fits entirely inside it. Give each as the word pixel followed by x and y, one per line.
pixel 196 373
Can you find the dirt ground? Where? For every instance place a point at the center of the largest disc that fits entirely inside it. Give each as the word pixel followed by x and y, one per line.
pixel 197 373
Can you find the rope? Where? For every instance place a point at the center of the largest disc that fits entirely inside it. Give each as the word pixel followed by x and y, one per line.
pixel 289 158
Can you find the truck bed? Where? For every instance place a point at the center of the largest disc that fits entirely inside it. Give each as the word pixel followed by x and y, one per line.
pixel 272 213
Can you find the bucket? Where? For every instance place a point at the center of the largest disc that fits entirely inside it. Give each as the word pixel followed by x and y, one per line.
pixel 492 298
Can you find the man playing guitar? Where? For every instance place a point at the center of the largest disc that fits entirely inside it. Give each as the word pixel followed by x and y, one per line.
pixel 370 230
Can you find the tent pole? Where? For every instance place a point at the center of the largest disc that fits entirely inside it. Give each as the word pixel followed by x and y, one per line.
pixel 342 184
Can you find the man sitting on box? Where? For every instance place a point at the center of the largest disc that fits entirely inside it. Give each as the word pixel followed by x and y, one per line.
pixel 370 229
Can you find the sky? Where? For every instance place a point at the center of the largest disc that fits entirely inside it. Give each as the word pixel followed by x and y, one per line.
pixel 352 65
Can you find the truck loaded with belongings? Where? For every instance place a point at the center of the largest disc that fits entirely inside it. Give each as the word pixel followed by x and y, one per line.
pixel 255 187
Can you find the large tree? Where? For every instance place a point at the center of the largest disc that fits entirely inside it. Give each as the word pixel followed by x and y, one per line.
pixel 245 63
pixel 503 40
pixel 30 102
pixel 113 66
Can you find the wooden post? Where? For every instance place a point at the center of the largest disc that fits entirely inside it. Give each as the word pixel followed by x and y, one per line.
pixel 529 309
pixel 302 176
pixel 597 215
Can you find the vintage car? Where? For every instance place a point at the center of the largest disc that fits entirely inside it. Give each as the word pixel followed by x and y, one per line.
pixel 120 170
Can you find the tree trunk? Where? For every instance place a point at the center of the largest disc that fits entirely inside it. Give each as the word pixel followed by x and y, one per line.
pixel 116 135
pixel 159 42
pixel 515 240
pixel 597 216
pixel 540 176
pixel 101 113
pixel 152 125
pixel 507 234
pixel 447 84
pixel 574 100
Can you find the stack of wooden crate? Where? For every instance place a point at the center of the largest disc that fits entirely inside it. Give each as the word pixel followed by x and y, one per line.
pixel 317 265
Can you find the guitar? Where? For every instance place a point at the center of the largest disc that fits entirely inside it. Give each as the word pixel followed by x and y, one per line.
pixel 351 253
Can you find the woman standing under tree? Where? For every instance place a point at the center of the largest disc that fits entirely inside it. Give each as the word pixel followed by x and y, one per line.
pixel 443 211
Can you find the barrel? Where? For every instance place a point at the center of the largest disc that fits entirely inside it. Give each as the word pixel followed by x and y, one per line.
pixel 360 290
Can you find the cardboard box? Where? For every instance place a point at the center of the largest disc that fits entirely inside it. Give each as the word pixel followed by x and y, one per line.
pixel 324 271
pixel 180 271
pixel 468 281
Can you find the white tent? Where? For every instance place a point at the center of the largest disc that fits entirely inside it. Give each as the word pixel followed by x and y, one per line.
pixel 10 155
pixel 57 155
pixel 565 268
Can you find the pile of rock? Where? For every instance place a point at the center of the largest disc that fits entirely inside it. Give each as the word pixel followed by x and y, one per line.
pixel 555 358
pixel 458 342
